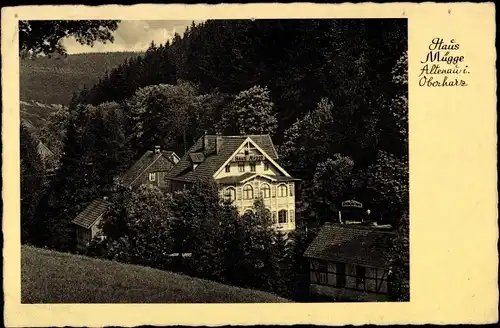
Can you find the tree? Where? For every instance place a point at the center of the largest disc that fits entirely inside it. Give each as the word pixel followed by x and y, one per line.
pixel 94 151
pixel 138 228
pixel 54 131
pixel 296 271
pixel 329 187
pixel 196 227
pixel 170 115
pixel 252 111
pixel 398 106
pixel 385 184
pixel 44 37
pixel 399 257
pixel 32 185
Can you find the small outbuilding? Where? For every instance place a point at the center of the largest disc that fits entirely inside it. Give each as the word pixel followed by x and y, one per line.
pixel 349 263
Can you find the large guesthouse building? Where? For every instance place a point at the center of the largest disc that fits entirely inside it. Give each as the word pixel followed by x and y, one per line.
pixel 244 167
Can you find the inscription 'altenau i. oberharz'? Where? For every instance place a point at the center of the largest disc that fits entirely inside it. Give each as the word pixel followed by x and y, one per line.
pixel 445 54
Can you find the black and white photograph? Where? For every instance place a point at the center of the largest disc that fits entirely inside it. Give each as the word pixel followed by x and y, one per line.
pixel 214 161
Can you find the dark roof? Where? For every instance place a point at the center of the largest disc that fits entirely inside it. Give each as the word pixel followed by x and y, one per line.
pixel 197 157
pixel 350 244
pixel 91 213
pixel 148 163
pixel 183 170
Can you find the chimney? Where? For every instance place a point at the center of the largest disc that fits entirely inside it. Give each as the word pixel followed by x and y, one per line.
pixel 157 149
pixel 218 142
pixel 205 141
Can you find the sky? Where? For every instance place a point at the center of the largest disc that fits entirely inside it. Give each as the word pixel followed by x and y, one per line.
pixel 133 35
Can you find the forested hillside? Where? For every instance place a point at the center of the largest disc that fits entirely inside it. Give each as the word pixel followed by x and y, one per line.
pixel 53 80
pixel 300 61
pixel 332 94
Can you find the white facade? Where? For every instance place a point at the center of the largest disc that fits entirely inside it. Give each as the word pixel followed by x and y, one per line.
pixel 256 174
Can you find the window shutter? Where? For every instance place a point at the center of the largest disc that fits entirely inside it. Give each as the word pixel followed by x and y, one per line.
pixel 273 190
pixel 238 193
pixel 292 216
pixel 291 189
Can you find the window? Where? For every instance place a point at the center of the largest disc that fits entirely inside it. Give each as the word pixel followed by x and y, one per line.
pixel 230 194
pixel 228 168
pixel 282 216
pixel 340 267
pixel 360 277
pixel 152 176
pixel 266 166
pixel 241 167
pixel 292 216
pixel 247 192
pixel 265 191
pixel 282 191
pixel 252 167
pixel 322 273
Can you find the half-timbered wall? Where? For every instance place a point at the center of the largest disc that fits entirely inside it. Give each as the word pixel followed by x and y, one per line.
pixel 335 279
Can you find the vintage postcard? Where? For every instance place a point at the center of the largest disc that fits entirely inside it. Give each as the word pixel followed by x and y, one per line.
pixel 249 164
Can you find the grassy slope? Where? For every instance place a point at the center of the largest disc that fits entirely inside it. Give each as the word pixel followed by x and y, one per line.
pixel 53 80
pixel 52 277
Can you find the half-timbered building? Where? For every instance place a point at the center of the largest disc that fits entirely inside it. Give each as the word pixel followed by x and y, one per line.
pixel 349 262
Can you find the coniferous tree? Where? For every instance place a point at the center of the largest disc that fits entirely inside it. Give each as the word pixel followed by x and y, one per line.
pixel 32 185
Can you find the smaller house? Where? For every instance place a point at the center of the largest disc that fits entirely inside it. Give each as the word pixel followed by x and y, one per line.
pixel 349 262
pixel 47 156
pixel 150 169
pixel 87 222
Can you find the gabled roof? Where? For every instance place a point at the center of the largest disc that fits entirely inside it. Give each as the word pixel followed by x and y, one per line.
pixel 149 162
pixel 89 216
pixel 351 244
pixel 43 150
pixel 229 144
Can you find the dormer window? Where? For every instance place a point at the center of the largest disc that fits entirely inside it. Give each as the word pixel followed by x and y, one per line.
pixel 228 168
pixel 152 176
pixel 241 167
pixel 252 167
pixel 266 166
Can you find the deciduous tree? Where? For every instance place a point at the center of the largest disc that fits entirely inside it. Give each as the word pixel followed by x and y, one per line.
pixel 252 111
pixel 44 37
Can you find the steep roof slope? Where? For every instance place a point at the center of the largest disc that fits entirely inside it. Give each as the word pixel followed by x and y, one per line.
pixel 351 244
pixel 212 161
pixel 91 213
pixel 149 162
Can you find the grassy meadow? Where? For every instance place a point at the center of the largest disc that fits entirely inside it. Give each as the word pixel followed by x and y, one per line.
pixel 53 277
